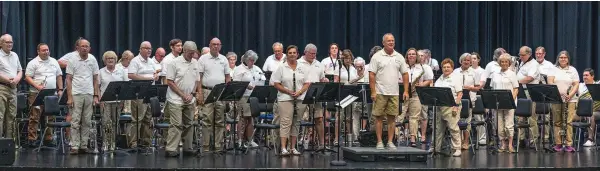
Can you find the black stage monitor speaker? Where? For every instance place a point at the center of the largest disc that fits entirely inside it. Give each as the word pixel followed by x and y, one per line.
pixel 7 152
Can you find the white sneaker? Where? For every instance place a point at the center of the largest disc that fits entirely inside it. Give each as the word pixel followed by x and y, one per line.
pixel 305 143
pixel 379 146
pixel 457 153
pixel 391 146
pixel 295 152
pixel 589 143
pixel 253 144
pixel 482 142
pixel 284 152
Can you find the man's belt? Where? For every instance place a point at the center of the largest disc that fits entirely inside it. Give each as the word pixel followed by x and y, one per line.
pixel 6 84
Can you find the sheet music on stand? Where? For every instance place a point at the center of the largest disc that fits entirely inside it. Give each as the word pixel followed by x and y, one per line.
pixel 346 101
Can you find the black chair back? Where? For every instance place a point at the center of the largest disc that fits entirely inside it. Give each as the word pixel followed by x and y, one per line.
pixel 21 102
pixel 523 108
pixel 464 111
pixel 478 109
pixel 542 108
pixel 256 108
pixel 584 107
pixel 155 107
pixel 51 107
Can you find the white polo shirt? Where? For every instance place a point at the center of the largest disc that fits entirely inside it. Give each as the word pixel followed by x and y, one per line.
pixel 83 72
pixel 214 69
pixel 163 64
pixel 105 77
pixel 452 81
pixel 271 63
pixel 480 72
pixel 387 69
pixel 545 67
pixel 531 69
pixel 331 65
pixel 344 78
pixel 315 70
pixel 469 78
pixel 254 75
pixel 564 78
pixel 506 80
pixel 184 74
pixel 142 67
pixel 490 69
pixel 43 71
pixel 9 64
pixel 416 70
pixel 157 65
pixel 285 75
pixel 125 69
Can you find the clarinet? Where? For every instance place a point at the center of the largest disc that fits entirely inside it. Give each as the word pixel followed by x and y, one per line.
pixel 294 89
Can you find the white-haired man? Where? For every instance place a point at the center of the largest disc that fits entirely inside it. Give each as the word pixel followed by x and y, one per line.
pixel 11 73
pixel 141 68
pixel 315 73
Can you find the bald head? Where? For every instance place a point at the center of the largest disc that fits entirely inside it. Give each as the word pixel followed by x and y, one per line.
pixel 215 46
pixel 160 54
pixel 145 49
pixel 6 42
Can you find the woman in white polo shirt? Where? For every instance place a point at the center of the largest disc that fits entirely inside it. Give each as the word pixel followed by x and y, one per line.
pixel 292 83
pixel 348 75
pixel 109 74
pixel 248 72
pixel 505 79
pixel 449 116
pixel 566 78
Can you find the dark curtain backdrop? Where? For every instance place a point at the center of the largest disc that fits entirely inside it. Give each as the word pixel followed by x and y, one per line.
pixel 447 28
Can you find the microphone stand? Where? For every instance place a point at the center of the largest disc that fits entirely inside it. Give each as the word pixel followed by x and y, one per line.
pixel 339 162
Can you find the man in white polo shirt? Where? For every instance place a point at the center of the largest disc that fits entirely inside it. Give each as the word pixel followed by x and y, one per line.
pixel 315 73
pixel 42 72
pixel 141 68
pixel 183 80
pixel 214 69
pixel 10 75
pixel 529 73
pixel 82 90
pixel 384 72
pixel 176 47
pixel 272 62
pixel 62 61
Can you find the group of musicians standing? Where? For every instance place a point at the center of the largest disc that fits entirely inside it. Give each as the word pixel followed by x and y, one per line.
pixel 192 74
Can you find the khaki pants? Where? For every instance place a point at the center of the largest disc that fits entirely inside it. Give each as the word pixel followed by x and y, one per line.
pixel 559 122
pixel 506 123
pixel 447 119
pixel 288 121
pixel 356 124
pixel 180 129
pixel 244 116
pixel 414 109
pixel 8 110
pixel 207 111
pixel 127 106
pixel 109 110
pixel 140 112
pixel 481 134
pixel 81 120
pixel 35 113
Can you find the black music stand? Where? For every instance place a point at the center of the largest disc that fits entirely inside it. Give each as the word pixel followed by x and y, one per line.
pixel 233 93
pixel 496 99
pixel 436 97
pixel 316 93
pixel 330 94
pixel 310 97
pixel 39 101
pixel 522 94
pixel 545 93
pixel 347 90
pixel 268 77
pixel 213 97
pixel 135 90
pixel 159 91
pixel 112 94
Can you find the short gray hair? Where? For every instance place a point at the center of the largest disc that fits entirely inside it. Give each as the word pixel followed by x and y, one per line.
pixel 497 53
pixel 277 44
pixel 427 52
pixel 359 60
pixel 190 46
pixel 463 57
pixel 250 54
pixel 310 46
pixel 229 54
pixel 506 57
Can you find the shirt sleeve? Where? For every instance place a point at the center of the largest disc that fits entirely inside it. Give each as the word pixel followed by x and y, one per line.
pixel 19 67
pixel 428 73
pixel 373 66
pixel 96 68
pixel 533 72
pixel 200 65
pixel 70 67
pixel 276 77
pixel 171 71
pixel 133 67
pixel 458 84
pixel 513 80
pixel 57 67
pixel 476 78
pixel 266 65
pixel 30 69
pixel 403 66
pixel 574 74
pixel 237 76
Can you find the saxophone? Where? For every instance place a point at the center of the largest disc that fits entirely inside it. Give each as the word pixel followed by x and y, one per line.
pixel 413 86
